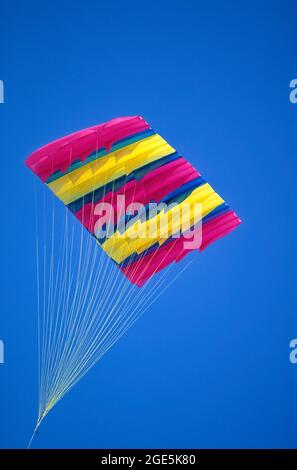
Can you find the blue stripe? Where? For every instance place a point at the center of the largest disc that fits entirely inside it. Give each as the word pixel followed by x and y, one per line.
pixel 216 212
pixel 184 190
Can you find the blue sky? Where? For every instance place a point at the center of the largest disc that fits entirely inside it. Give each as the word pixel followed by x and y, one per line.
pixel 208 365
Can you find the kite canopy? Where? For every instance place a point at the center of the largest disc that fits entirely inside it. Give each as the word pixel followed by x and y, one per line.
pixel 125 158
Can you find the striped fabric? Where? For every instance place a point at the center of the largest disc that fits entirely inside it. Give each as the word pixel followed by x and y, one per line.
pixel 125 158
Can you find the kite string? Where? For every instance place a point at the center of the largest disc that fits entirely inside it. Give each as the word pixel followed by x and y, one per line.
pixel 74 341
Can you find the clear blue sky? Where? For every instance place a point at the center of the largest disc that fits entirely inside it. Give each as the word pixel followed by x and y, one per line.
pixel 208 366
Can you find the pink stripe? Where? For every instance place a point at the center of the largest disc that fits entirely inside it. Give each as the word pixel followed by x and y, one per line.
pixel 218 228
pixel 152 187
pixel 143 269
pixel 59 154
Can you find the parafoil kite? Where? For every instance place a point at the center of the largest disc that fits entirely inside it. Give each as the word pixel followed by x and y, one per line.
pixel 126 157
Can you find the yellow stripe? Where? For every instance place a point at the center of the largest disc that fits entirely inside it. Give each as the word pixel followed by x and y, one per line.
pixel 120 246
pixel 114 165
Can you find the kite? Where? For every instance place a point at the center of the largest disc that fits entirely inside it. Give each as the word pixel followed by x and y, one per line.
pixel 126 159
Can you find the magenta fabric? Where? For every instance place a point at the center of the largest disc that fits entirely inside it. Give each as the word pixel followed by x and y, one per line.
pixel 59 154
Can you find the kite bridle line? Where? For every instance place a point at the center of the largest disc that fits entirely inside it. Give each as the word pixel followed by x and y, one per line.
pixel 69 343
